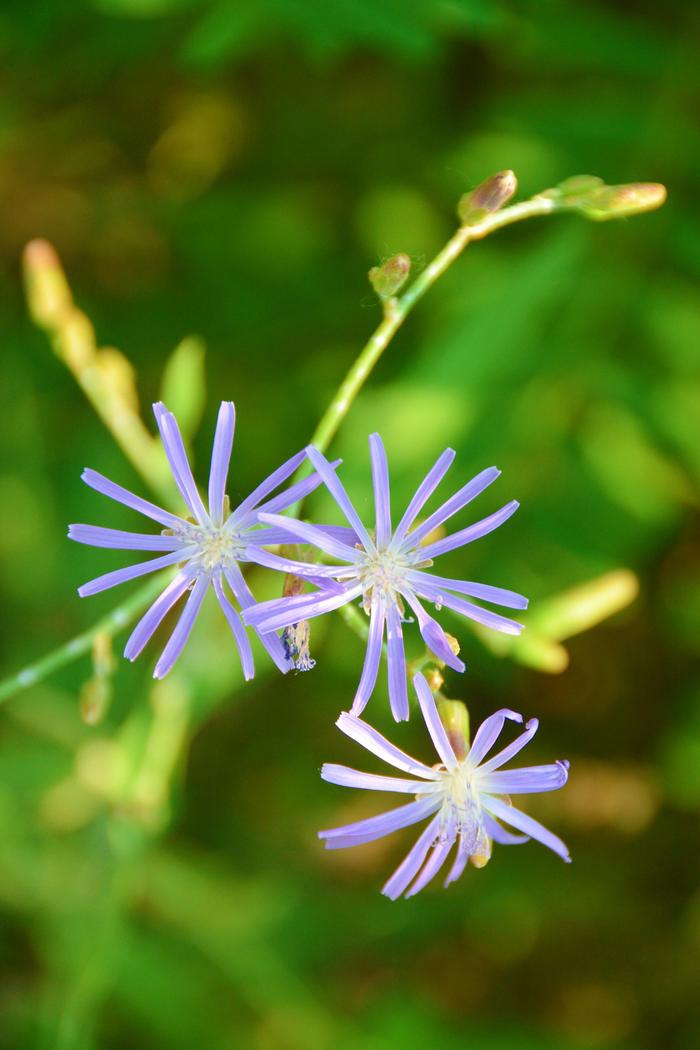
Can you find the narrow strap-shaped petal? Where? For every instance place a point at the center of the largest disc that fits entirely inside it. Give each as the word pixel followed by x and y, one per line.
pixel 132 572
pixel 474 612
pixel 488 733
pixel 237 629
pixel 460 861
pixel 310 534
pixel 308 570
pixel 525 781
pixel 267 486
pixel 484 591
pixel 455 503
pixel 410 865
pixel 179 464
pixel 153 617
pixel 470 533
pixel 337 491
pixel 295 492
pixel 371 740
pixel 432 866
pixel 423 493
pixel 528 825
pixel 245 598
pixel 434 636
pixel 362 831
pixel 432 721
pixel 114 539
pixel 499 834
pixel 178 638
pixel 373 656
pixel 101 484
pixel 220 459
pixel 346 777
pixel 512 749
pixel 382 493
pixel 282 612
pixel 396 660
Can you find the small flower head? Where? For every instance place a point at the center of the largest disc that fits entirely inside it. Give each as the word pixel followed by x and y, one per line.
pixel 386 570
pixel 207 547
pixel 465 796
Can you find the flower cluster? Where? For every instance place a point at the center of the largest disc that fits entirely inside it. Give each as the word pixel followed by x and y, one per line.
pixel 384 567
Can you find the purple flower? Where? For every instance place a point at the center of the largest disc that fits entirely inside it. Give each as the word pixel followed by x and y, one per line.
pixel 207 548
pixel 462 796
pixel 386 569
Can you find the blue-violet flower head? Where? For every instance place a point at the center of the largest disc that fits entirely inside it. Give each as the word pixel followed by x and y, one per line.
pixel 461 797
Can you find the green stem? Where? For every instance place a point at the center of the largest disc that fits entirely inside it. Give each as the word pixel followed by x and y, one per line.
pixel 397 310
pixel 82 643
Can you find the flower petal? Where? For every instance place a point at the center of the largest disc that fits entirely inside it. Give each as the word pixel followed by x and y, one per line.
pixel 487 734
pixel 460 861
pixel 484 591
pixel 373 656
pixel 310 534
pixel 512 749
pixel 337 491
pixel 474 612
pixel 153 617
pixel 433 635
pixel 346 777
pixel 371 740
pixel 114 539
pixel 179 463
pixel 267 486
pixel 525 781
pixel 423 493
pixel 101 484
pixel 455 503
pixel 382 493
pixel 506 838
pixel 471 533
pixel 177 640
pixel 238 631
pixel 294 493
pixel 432 866
pixel 283 612
pixel 362 831
pixel 432 721
pixel 411 864
pixel 220 460
pixel 131 572
pixel 244 596
pixel 517 819
pixel 396 660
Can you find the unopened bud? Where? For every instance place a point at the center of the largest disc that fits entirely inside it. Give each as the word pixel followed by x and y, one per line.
pixel 616 202
pixel 488 197
pixel 590 196
pixel 455 718
pixel 48 293
pixel 388 278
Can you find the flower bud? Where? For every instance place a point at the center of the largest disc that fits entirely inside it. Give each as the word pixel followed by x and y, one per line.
pixel 48 293
pixel 455 718
pixel 488 197
pixel 616 202
pixel 388 278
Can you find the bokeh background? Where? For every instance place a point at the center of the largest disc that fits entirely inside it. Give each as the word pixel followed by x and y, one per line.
pixel 230 169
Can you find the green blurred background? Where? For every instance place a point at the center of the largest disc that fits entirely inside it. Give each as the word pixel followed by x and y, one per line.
pixel 232 168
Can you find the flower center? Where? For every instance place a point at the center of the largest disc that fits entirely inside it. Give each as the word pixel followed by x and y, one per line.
pixel 461 808
pixel 383 569
pixel 218 548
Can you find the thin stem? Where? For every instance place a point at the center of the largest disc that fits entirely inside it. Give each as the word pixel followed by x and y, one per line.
pixel 82 643
pixel 397 310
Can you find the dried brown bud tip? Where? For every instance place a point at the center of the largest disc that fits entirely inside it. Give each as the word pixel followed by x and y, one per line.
pixel 488 197
pixel 388 278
